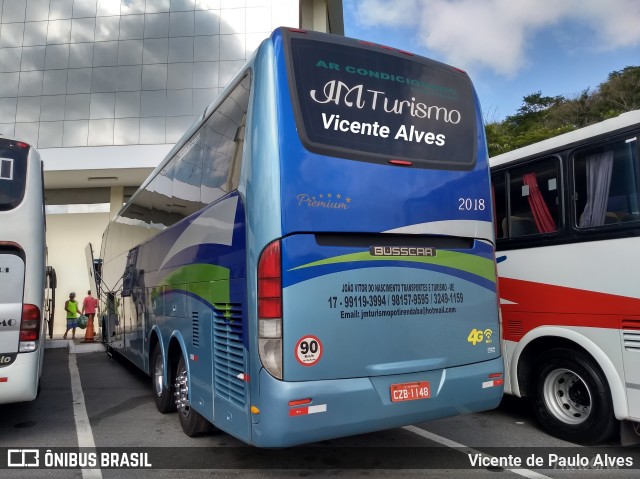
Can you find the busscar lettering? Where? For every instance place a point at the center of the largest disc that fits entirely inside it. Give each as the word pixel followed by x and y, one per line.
pixel 401 251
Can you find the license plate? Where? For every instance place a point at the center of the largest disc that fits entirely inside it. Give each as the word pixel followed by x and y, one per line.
pixel 410 391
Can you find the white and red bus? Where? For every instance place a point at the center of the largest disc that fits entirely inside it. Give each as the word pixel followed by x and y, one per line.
pixel 22 271
pixel 567 214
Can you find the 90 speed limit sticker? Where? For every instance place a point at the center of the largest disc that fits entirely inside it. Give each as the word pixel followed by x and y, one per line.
pixel 308 350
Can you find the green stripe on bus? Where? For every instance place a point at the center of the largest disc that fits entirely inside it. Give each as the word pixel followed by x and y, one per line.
pixel 207 281
pixel 469 263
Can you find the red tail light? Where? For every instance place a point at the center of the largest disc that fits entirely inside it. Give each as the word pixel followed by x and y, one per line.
pixel 270 309
pixel 400 162
pixel 30 323
pixel 270 282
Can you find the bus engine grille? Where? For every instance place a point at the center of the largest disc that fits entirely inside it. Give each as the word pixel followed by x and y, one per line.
pixel 229 359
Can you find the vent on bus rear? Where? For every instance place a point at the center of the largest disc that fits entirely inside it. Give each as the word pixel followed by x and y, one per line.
pixel 514 330
pixel 631 334
pixel 195 329
pixel 229 365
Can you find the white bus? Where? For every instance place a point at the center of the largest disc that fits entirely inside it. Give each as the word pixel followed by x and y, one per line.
pixel 567 225
pixel 22 271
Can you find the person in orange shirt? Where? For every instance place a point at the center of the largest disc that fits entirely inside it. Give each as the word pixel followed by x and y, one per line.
pixel 89 309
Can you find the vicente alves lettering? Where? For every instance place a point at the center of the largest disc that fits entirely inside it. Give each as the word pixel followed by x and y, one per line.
pixel 333 122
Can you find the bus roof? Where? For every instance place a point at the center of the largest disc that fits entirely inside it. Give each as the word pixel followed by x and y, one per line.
pixel 567 139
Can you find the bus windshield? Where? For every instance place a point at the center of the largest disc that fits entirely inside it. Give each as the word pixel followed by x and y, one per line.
pixel 13 173
pixel 373 105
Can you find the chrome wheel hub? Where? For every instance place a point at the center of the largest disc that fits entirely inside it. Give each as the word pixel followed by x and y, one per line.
pixel 158 375
pixel 567 396
pixel 182 393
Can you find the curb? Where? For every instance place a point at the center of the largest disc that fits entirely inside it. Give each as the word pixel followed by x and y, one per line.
pixel 74 348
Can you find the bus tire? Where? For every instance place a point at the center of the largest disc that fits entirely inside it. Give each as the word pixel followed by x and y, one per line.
pixel 161 393
pixel 571 397
pixel 193 424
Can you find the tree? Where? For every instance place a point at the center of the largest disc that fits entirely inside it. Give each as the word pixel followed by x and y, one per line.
pixel 621 92
pixel 541 117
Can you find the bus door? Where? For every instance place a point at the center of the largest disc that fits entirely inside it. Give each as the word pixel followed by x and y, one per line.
pixel 11 294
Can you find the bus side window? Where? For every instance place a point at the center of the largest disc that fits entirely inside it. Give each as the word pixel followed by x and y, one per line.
pixel 500 206
pixel 534 198
pixel 606 184
pixel 187 176
pixel 223 144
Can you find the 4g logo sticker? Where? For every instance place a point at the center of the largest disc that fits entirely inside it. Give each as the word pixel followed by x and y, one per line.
pixel 308 350
pixel 477 336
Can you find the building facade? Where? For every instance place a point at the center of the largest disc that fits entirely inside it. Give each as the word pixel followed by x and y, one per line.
pixel 104 88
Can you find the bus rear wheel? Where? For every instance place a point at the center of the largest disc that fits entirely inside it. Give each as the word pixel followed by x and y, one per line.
pixel 161 390
pixel 572 399
pixel 193 424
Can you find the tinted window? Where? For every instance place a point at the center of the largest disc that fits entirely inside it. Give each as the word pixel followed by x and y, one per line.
pixel 500 206
pixel 224 144
pixel 206 168
pixel 13 174
pixel 534 204
pixel 365 104
pixel 606 184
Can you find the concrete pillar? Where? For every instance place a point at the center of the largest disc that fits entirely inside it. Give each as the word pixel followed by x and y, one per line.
pixel 116 200
pixel 313 15
pixel 320 15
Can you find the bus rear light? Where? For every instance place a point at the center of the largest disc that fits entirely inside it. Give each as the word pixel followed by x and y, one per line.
pixel 29 328
pixel 270 328
pixel 300 402
pixel 401 162
pixel 4 380
pixel 270 282
pixel 495 375
pixel 270 309
pixel 270 351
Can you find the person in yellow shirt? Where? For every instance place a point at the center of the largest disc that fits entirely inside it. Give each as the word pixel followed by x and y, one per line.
pixel 71 307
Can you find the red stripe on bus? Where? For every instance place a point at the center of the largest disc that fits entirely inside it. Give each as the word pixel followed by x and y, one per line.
pixel 537 304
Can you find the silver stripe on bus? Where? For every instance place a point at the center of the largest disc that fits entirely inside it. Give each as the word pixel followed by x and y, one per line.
pixel 464 228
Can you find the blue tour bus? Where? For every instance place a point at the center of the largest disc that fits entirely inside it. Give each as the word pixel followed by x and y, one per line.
pixel 315 257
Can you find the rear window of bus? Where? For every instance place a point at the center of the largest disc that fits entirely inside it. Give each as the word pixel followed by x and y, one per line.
pixel 362 103
pixel 13 172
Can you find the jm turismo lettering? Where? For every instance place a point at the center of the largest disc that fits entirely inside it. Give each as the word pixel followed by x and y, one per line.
pixel 340 93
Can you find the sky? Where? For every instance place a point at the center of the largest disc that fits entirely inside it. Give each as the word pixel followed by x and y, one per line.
pixel 509 48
